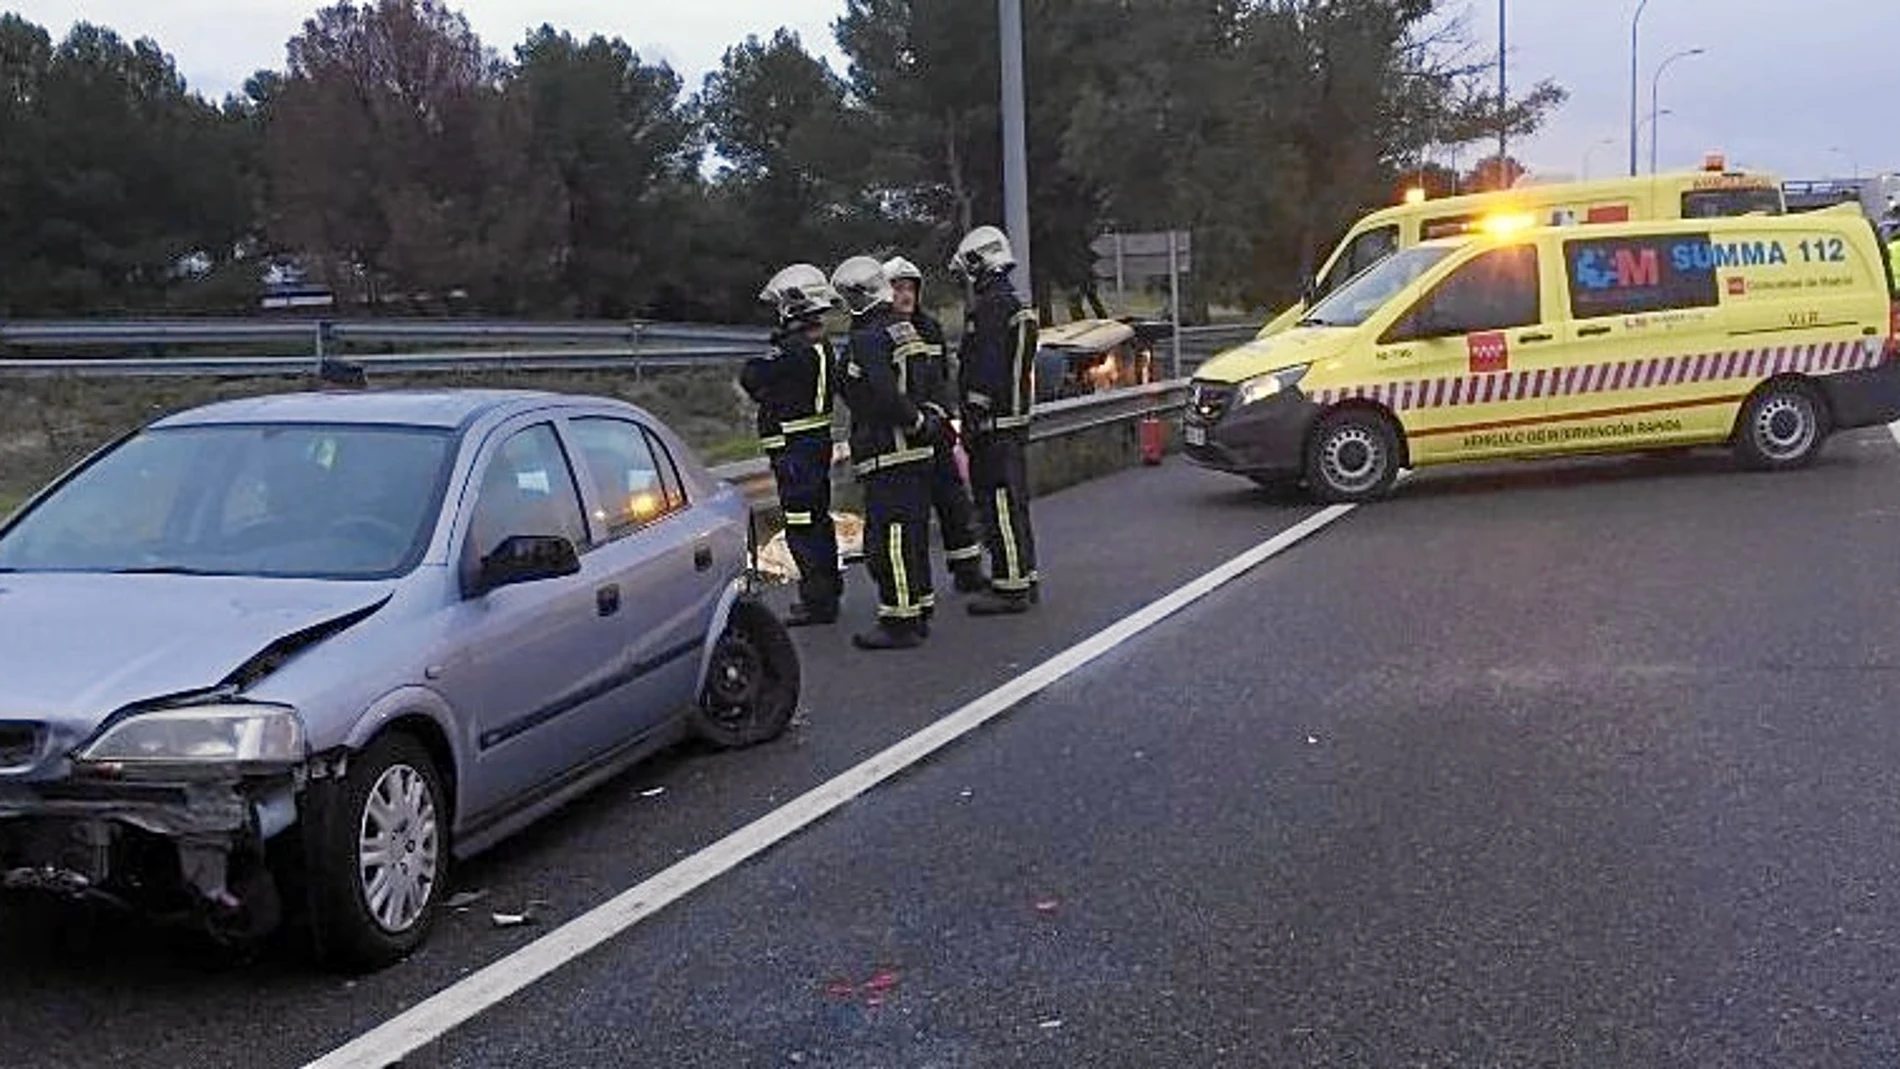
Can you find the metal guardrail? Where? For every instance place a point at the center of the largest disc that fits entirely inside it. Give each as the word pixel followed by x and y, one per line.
pixel 575 358
pixel 1057 419
pixel 74 333
pixel 689 346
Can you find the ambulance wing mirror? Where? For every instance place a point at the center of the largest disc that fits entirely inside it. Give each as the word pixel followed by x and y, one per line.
pixel 1309 291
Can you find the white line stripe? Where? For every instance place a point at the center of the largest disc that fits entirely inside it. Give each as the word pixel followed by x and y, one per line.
pixel 460 1002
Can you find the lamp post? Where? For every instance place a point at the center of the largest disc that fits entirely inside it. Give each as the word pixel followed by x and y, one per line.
pixel 1591 151
pixel 1504 99
pixel 1635 21
pixel 1655 88
pixel 1015 153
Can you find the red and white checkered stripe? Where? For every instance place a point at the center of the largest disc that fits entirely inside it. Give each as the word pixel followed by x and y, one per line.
pixel 1646 374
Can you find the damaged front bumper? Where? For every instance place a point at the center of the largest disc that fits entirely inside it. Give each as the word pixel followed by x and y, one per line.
pixel 181 848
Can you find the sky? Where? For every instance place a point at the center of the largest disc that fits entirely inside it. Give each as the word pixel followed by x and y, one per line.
pixel 1804 88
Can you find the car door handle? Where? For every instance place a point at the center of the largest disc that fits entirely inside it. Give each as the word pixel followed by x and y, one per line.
pixel 607 599
pixel 702 556
pixel 1591 332
pixel 1539 336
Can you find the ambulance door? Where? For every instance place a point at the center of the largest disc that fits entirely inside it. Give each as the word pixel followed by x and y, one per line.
pixel 1648 360
pixel 1483 356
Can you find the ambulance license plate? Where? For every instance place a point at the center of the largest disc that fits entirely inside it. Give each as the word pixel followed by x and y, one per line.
pixel 1196 435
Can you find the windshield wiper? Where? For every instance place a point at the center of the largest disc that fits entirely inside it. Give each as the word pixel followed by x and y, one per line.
pixel 1312 321
pixel 162 569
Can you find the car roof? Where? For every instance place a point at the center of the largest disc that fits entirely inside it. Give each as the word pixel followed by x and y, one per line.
pixel 411 408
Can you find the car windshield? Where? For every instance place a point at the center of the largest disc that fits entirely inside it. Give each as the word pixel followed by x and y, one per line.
pixel 1356 301
pixel 304 501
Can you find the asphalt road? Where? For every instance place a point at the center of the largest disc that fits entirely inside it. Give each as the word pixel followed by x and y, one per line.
pixel 1580 764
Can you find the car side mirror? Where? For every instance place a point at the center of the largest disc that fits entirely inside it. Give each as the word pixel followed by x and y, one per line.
pixel 525 559
pixel 1309 291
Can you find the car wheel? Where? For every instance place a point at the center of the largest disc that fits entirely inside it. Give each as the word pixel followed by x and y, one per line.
pixel 378 856
pixel 752 681
pixel 1352 456
pixel 1783 426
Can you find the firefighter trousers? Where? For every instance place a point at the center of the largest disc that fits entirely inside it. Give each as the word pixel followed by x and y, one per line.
pixel 897 539
pixel 802 470
pixel 956 513
pixel 999 480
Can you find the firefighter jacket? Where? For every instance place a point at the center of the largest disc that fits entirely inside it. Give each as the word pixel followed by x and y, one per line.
pixel 886 383
pixel 995 360
pixel 792 386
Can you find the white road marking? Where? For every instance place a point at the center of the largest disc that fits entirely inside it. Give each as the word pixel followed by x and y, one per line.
pixel 434 1017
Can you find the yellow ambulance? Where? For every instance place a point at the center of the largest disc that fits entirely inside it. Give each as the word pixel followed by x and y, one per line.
pixel 1766 333
pixel 1711 192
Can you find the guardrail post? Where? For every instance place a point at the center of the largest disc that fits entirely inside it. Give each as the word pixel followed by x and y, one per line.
pixel 636 330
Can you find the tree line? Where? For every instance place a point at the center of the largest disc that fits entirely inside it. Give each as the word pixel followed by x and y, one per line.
pixel 403 162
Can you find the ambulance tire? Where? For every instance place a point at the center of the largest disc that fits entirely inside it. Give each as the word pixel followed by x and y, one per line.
pixel 1352 456
pixel 1783 426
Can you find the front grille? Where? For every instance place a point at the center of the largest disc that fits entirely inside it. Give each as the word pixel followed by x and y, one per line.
pixel 19 745
pixel 1210 402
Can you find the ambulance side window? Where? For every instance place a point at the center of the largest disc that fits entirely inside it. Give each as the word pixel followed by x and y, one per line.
pixel 1631 276
pixel 1498 290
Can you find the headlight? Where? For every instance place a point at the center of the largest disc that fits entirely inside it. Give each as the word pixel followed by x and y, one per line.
pixel 1261 387
pixel 202 735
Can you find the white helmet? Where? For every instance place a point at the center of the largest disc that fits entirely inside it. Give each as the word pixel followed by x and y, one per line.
pixel 800 292
pixel 862 283
pixel 982 251
pixel 897 268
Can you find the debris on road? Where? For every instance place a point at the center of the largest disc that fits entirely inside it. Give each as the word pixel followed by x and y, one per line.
pixel 1311 741
pixel 461 900
pixel 512 920
pixel 1051 1025
pixel 774 561
pixel 1048 905
pixel 966 793
pixel 653 792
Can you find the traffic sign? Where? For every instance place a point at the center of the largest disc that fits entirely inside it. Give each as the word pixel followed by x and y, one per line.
pixel 1141 256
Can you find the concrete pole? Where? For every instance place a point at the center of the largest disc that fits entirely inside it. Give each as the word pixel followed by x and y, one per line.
pixel 1015 151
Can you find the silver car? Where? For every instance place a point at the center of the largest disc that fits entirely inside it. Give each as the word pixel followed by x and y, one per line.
pixel 293 654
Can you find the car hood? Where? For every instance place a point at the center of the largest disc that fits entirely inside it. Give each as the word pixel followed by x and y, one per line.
pixel 74 648
pixel 1301 345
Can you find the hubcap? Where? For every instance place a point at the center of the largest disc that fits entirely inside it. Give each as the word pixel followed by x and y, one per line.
pixel 1352 459
pixel 397 849
pixel 1785 426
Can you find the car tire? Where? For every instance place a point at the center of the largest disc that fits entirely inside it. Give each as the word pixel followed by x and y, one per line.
pixel 1783 425
pixel 752 681
pixel 1352 456
pixel 354 928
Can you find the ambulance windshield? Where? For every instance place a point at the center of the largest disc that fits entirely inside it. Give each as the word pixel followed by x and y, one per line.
pixel 1356 301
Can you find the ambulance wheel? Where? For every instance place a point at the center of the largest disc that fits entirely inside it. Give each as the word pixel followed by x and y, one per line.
pixel 1352 456
pixel 1782 426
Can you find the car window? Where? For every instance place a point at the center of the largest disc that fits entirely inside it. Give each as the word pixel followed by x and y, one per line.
pixel 629 492
pixel 669 471
pixel 527 490
pixel 1629 276
pixel 295 500
pixel 1366 249
pixel 1497 290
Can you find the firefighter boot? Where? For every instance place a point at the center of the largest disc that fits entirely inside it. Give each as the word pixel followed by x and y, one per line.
pixel 998 603
pixel 969 577
pixel 807 614
pixel 890 635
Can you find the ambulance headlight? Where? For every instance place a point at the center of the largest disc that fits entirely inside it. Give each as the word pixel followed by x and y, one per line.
pixel 1261 387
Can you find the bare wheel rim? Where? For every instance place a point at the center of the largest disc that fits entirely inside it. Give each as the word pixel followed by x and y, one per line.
pixel 737 680
pixel 1352 459
pixel 397 848
pixel 1785 426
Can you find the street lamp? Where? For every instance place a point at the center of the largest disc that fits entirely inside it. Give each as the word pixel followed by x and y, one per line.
pixel 1591 151
pixel 1655 87
pixel 1634 22
pixel 1015 153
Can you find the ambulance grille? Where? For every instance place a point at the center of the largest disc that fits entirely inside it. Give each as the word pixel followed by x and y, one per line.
pixel 19 745
pixel 1211 401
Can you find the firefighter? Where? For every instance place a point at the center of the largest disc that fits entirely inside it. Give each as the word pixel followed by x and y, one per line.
pixel 893 442
pixel 792 385
pixel 995 361
pixel 949 494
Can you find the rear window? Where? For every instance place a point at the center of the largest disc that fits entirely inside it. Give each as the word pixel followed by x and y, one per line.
pixel 1630 276
pixel 1718 203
